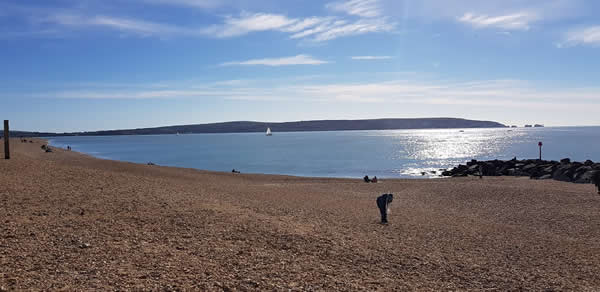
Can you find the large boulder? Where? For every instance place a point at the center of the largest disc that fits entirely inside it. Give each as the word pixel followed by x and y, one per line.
pixel 588 163
pixel 489 169
pixel 565 161
pixel 473 168
pixel 586 177
pixel 561 174
pixel 548 169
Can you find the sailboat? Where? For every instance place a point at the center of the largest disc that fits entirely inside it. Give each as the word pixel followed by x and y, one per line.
pixel 269 132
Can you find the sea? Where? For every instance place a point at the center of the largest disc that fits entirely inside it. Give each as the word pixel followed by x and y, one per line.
pixel 344 154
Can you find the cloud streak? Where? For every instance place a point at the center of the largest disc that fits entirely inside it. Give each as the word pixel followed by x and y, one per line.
pixel 515 21
pixel 371 57
pixel 358 21
pixel 124 25
pixel 487 93
pixel 187 3
pixel 275 62
pixel 585 36
pixel 318 29
pixel 362 8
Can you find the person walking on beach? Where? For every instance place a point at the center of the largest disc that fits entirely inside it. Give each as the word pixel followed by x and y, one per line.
pixel 383 203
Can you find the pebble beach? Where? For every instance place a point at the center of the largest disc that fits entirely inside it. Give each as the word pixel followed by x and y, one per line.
pixel 72 222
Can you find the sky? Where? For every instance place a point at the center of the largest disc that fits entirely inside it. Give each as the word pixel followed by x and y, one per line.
pixel 82 65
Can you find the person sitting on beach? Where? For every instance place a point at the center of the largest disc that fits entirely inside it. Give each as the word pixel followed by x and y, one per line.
pixel 374 180
pixel 383 203
pixel 366 178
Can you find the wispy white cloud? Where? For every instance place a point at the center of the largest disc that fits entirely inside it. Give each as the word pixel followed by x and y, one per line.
pixel 125 25
pixel 312 28
pixel 247 22
pixel 317 29
pixel 487 93
pixel 359 27
pixel 371 57
pixel 295 60
pixel 584 36
pixel 362 8
pixel 515 21
pixel 189 3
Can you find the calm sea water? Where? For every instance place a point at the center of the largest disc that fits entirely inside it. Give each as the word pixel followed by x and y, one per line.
pixel 386 154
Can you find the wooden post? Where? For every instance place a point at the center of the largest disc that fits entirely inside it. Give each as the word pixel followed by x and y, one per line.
pixel 6 139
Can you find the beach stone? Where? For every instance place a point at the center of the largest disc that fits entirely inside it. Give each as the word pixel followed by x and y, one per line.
pixel 588 163
pixel 546 176
pixel 489 169
pixel 560 175
pixel 565 161
pixel 586 177
pixel 583 169
pixel 548 169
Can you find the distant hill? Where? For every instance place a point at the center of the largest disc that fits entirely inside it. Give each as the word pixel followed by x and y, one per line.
pixel 320 125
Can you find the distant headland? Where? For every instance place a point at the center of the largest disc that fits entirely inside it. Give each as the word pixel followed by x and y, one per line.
pixel 299 126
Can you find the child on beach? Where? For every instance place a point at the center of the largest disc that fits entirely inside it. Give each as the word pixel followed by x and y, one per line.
pixel 383 203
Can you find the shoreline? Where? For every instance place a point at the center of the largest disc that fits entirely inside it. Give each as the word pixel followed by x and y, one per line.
pixel 75 222
pixel 426 177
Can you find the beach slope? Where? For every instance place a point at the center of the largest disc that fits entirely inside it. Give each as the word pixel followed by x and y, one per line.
pixel 69 221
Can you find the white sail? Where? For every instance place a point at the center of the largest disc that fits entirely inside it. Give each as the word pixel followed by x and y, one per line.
pixel 269 132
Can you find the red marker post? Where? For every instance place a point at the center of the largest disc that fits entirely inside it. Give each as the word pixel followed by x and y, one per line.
pixel 540 144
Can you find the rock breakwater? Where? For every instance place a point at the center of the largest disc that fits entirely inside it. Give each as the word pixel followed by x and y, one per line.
pixel 564 170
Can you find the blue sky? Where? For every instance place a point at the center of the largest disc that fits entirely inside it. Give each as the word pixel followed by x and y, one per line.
pixel 70 65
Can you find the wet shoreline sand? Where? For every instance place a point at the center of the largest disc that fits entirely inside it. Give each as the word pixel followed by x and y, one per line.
pixel 73 222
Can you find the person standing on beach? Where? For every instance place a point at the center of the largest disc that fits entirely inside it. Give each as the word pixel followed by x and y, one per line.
pixel 383 203
pixel 596 180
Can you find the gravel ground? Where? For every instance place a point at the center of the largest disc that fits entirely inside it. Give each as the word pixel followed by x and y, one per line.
pixel 72 222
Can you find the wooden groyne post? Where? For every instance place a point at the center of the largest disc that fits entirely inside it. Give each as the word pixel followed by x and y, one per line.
pixel 6 139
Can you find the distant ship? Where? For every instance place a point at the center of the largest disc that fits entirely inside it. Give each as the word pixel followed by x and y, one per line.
pixel 269 132
pixel 528 126
pixel 538 126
